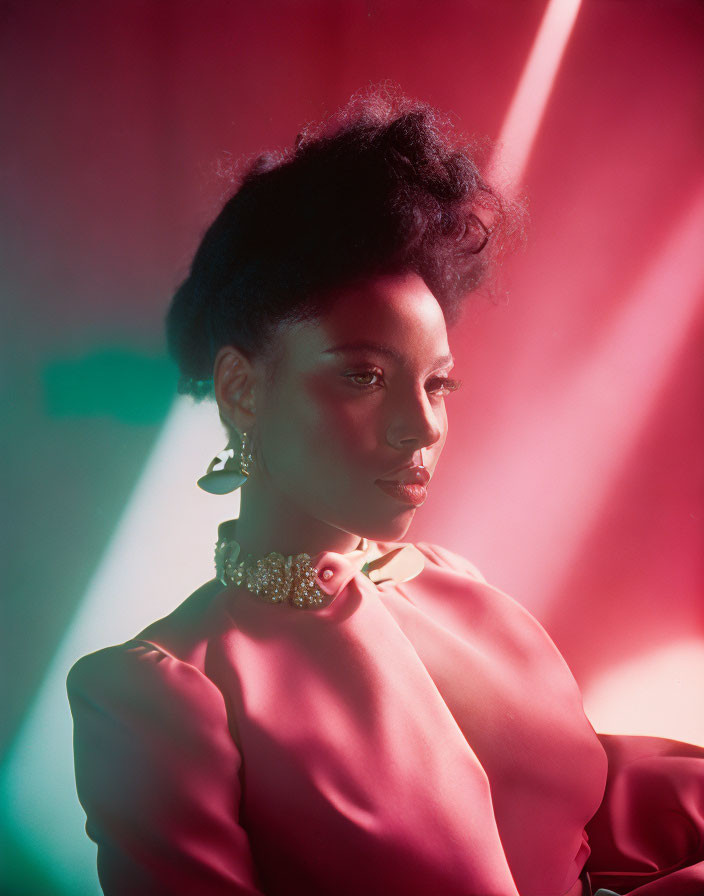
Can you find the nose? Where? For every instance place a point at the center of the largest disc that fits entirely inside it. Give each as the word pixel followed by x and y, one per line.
pixel 416 423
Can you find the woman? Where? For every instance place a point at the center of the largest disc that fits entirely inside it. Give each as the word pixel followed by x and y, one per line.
pixel 339 711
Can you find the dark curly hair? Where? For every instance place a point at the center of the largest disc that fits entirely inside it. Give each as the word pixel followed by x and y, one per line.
pixel 382 186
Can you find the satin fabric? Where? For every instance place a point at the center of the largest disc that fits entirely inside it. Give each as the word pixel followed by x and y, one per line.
pixel 413 737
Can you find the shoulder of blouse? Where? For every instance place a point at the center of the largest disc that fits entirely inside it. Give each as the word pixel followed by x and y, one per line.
pixel 187 632
pixel 448 559
pixel 140 687
pixel 135 678
pixel 165 658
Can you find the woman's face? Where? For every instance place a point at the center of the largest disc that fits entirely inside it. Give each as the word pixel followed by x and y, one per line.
pixel 338 419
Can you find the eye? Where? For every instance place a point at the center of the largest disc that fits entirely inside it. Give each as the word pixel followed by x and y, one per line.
pixel 445 384
pixel 441 385
pixel 353 376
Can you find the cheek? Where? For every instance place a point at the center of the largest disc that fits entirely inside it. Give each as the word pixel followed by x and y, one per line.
pixel 316 430
pixel 340 430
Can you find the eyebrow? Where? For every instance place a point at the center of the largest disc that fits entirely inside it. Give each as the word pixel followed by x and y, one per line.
pixel 381 349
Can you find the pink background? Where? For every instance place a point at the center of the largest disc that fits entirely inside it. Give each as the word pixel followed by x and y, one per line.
pixel 573 473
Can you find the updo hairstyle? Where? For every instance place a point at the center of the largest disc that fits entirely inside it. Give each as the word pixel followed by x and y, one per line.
pixel 382 186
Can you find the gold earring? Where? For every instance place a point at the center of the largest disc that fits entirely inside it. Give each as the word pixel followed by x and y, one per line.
pixel 229 469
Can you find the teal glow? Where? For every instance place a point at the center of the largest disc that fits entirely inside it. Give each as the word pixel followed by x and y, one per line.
pixel 113 382
pixel 155 559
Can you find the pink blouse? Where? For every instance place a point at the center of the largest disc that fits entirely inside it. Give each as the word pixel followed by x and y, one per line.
pixel 419 737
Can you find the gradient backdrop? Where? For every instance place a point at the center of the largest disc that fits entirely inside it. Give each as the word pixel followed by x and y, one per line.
pixel 573 474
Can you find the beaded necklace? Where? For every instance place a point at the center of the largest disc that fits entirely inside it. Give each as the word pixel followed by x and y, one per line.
pixel 273 577
pixel 292 579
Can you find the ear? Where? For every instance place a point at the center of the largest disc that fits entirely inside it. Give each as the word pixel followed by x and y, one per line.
pixel 233 381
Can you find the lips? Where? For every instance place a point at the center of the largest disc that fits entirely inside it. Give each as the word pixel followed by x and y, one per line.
pixel 407 492
pixel 409 475
pixel 407 484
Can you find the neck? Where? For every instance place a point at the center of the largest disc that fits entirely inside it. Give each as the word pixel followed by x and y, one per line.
pixel 268 522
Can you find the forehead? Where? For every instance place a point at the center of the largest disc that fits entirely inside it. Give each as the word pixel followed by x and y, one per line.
pixel 396 310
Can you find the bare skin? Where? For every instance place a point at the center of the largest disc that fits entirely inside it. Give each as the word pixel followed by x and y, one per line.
pixel 333 423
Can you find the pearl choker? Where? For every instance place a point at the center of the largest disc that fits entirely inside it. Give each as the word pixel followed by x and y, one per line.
pixel 274 578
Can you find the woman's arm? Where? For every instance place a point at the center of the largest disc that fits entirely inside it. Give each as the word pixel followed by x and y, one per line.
pixel 647 837
pixel 157 773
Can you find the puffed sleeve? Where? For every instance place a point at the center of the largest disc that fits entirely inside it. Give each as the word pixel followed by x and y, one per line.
pixel 157 775
pixel 647 837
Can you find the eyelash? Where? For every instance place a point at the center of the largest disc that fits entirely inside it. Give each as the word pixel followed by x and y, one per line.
pixel 450 385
